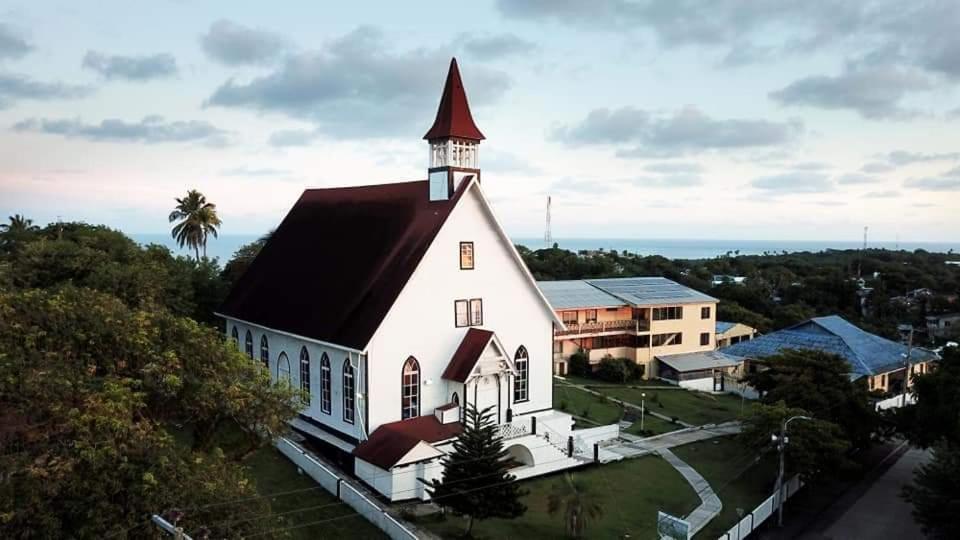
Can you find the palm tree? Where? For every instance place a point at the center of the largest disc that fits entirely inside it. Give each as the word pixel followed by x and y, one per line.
pixel 197 220
pixel 19 230
pixel 577 507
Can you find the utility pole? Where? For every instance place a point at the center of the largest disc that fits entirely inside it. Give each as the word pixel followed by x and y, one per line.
pixel 170 528
pixel 782 442
pixel 548 234
pixel 643 397
pixel 860 259
pixel 906 368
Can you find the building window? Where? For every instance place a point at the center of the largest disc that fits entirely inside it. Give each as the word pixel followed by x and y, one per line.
pixel 705 312
pixel 349 391
pixel 461 310
pixel 569 317
pixel 264 351
pixel 283 367
pixel 557 346
pixel 305 373
pixel 455 399
pixel 325 404
pixel 704 338
pixel 410 391
pixel 476 312
pixel 661 340
pixel 521 362
pixel 466 255
pixel 591 315
pixel 668 313
pixel 248 344
pixel 235 336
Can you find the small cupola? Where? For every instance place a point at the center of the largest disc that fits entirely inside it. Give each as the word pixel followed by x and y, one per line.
pixel 454 140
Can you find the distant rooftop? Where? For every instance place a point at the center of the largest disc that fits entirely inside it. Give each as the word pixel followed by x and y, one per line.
pixel 612 292
pixel 723 326
pixel 867 354
pixel 696 361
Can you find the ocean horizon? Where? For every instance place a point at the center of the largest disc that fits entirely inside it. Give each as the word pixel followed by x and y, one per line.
pixel 226 245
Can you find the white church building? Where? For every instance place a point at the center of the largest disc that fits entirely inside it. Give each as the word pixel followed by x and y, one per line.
pixel 395 305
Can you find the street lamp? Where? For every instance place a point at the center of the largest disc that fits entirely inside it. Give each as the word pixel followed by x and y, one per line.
pixel 782 442
pixel 906 365
pixel 643 396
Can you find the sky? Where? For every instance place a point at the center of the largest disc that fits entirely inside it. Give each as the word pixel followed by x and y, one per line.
pixel 641 119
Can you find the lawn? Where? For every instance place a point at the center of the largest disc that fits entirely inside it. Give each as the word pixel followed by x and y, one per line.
pixel 630 493
pixel 585 405
pixel 726 465
pixel 587 381
pixel 653 424
pixel 695 408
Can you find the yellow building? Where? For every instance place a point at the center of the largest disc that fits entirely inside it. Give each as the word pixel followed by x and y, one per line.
pixel 730 333
pixel 638 318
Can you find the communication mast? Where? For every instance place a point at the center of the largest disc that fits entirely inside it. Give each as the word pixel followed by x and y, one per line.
pixel 860 259
pixel 548 234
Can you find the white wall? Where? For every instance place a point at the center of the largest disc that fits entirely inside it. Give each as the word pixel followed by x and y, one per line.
pixel 279 342
pixel 421 322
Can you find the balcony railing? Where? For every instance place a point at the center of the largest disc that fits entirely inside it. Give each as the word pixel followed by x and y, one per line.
pixel 605 326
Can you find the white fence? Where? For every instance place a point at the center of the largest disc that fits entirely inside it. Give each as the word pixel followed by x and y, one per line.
pixel 767 509
pixel 343 490
pixel 896 401
pixel 601 434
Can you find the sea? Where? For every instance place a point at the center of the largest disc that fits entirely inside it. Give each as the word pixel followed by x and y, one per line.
pixel 224 247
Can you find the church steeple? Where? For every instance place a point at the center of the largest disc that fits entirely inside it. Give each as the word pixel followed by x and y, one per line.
pixel 454 139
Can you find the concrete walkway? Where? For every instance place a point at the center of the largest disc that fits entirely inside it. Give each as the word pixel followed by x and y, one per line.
pixel 633 446
pixel 628 405
pixel 710 504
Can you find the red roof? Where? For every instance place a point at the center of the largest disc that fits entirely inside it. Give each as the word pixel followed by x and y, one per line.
pixel 390 442
pixel 469 351
pixel 336 264
pixel 453 115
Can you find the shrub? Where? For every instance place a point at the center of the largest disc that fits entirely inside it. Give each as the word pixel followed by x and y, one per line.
pixel 579 364
pixel 586 412
pixel 563 405
pixel 619 370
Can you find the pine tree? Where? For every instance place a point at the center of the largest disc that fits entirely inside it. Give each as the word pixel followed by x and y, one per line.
pixel 475 480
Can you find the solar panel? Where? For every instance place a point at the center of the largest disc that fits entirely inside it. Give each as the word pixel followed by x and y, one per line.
pixel 641 291
pixel 576 294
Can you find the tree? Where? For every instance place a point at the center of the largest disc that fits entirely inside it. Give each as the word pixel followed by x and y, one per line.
pixel 935 494
pixel 15 233
pixel 579 364
pixel 197 220
pixel 578 508
pixel 242 259
pixel 475 480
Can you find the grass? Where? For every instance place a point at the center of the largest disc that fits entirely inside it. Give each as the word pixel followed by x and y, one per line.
pixel 584 404
pixel 726 465
pixel 629 492
pixel 695 408
pixel 587 381
pixel 653 424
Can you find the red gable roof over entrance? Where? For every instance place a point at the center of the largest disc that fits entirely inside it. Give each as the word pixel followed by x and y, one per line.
pixel 453 115
pixel 390 442
pixel 469 351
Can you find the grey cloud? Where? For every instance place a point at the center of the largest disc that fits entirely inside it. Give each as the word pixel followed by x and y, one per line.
pixel 873 92
pixel 811 166
pixel 293 137
pixel 17 87
pixel 234 44
pixel 793 182
pixel 668 181
pixel 747 53
pixel 948 181
pixel 856 178
pixel 953 114
pixel 579 185
pixel 876 167
pixel 684 131
pixel 888 194
pixel 12 44
pixel 498 161
pixel 903 157
pixel 674 167
pixel 150 130
pixel 132 68
pixel 355 88
pixel 497 46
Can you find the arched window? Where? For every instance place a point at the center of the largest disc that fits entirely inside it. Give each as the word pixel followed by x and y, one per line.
pixel 235 336
pixel 264 351
pixel 325 383
pixel 349 391
pixel 248 344
pixel 521 361
pixel 305 373
pixel 455 399
pixel 410 403
pixel 283 367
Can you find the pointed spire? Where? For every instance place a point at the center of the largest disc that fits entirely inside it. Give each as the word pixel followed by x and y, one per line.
pixel 453 115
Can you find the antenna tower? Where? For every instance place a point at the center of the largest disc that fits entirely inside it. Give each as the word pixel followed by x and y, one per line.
pixel 860 259
pixel 548 234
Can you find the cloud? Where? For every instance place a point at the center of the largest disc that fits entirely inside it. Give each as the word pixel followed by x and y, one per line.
pixel 497 46
pixel 684 131
pixel 12 44
pixel 355 88
pixel 856 179
pixel 903 157
pixel 150 130
pixel 498 161
pixel 131 68
pixel 873 92
pixel 248 171
pixel 579 185
pixel 674 167
pixel 17 87
pixel 876 167
pixel 948 181
pixel 233 44
pixel 793 182
pixel 668 181
pixel 292 137
pixel 953 114
pixel 888 194
pixel 811 166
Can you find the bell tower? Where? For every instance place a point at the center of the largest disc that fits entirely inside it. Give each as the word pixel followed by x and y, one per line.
pixel 454 140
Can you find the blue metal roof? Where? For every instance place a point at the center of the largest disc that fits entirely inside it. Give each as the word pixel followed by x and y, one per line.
pixel 650 291
pixel 576 293
pixel 867 354
pixel 723 326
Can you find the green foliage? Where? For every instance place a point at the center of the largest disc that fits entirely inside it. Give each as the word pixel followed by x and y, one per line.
pixel 578 508
pixel 935 494
pixel 17 232
pixel 618 370
pixel 242 259
pixel 196 220
pixel 578 365
pixel 475 480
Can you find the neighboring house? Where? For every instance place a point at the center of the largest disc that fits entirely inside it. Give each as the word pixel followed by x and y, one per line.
pixel 943 326
pixel 879 360
pixel 720 279
pixel 731 333
pixel 395 305
pixel 639 318
pixel 707 371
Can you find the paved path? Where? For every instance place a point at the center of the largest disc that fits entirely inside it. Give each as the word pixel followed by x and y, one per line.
pixel 880 512
pixel 633 446
pixel 629 405
pixel 710 504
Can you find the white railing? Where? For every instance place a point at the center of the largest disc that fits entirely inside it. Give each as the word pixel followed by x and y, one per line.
pixel 761 513
pixel 512 431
